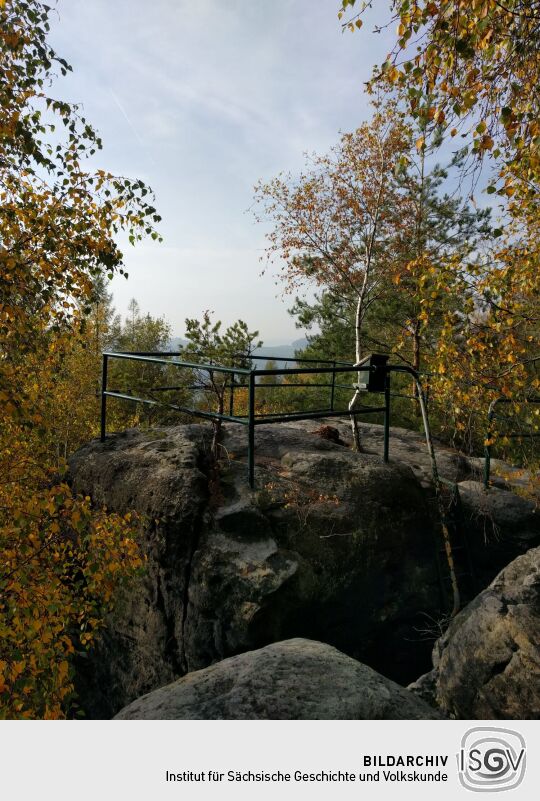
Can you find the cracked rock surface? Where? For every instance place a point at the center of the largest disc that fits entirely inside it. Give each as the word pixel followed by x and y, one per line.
pixel 291 680
pixel 332 545
pixel 161 477
pixel 487 664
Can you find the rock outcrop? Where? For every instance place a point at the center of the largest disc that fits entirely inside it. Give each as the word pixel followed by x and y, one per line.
pixel 487 664
pixel 500 524
pixel 162 476
pixel 291 680
pixel 332 546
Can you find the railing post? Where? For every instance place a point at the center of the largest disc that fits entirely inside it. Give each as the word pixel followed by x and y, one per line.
pixel 333 386
pixel 231 399
pixel 386 416
pixel 104 397
pixel 487 446
pixel 251 431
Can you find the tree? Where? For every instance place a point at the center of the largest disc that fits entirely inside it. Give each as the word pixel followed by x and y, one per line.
pixel 436 227
pixel 331 224
pixel 70 379
pixel 207 345
pixel 60 560
pixel 474 69
pixel 477 64
pixel 415 229
pixel 144 334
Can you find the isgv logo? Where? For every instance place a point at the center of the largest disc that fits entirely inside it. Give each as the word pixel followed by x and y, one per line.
pixel 491 759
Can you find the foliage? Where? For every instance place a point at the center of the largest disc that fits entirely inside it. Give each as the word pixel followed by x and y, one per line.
pixel 472 68
pixel 80 557
pixel 144 334
pixel 377 233
pixel 331 224
pixel 59 560
pixel 232 348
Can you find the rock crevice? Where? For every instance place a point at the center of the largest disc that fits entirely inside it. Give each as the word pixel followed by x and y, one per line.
pixel 333 546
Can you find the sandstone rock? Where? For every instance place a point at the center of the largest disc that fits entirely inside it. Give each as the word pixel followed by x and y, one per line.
pixel 293 680
pixel 333 546
pixel 161 476
pixel 487 664
pixel 501 515
pixel 500 526
pixel 406 447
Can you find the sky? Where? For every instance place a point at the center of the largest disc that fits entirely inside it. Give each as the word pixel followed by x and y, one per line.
pixel 201 99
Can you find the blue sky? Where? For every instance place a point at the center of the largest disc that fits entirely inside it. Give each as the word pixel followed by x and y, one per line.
pixel 201 98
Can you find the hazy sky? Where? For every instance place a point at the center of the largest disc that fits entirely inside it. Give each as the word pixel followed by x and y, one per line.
pixel 201 98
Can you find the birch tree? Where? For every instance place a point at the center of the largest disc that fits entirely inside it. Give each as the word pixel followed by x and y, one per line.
pixel 331 223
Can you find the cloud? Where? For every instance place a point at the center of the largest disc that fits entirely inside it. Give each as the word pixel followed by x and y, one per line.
pixel 201 100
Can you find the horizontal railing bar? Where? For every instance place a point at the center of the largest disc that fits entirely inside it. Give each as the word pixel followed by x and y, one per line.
pixel 177 408
pixel 298 361
pixel 312 370
pixel 285 386
pixel 208 367
pixel 197 387
pixel 239 355
pixel 252 357
pixel 162 389
pixel 303 384
pixel 274 418
pixel 147 352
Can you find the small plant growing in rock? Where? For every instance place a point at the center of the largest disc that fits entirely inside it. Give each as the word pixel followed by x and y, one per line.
pixel 297 498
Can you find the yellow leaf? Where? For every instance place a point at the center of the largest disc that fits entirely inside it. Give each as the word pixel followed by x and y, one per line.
pixel 63 669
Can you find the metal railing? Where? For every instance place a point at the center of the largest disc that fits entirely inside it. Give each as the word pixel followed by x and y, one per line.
pixel 492 415
pixel 248 378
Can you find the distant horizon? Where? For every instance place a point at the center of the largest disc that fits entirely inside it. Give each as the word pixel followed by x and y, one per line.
pixel 295 342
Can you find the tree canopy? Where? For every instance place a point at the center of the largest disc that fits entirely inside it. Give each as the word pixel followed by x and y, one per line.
pixel 60 560
pixel 472 68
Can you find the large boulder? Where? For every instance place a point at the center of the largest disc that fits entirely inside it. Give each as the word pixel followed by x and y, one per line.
pixel 291 680
pixel 500 524
pixel 487 664
pixel 332 545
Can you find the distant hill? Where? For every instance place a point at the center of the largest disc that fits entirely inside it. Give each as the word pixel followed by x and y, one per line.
pixel 283 351
pixel 268 351
pixel 176 343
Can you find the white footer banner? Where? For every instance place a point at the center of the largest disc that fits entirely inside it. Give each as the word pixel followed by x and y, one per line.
pixel 154 760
